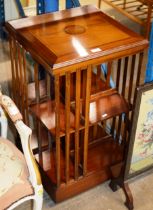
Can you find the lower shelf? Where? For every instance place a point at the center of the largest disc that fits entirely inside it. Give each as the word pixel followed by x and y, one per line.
pixel 101 156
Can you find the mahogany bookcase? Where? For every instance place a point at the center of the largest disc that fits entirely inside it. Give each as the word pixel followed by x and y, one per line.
pixel 139 11
pixel 81 120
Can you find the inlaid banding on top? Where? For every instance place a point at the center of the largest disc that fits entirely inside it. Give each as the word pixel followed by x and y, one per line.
pixel 74 29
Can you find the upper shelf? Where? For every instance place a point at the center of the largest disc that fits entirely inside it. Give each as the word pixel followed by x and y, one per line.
pixel 73 37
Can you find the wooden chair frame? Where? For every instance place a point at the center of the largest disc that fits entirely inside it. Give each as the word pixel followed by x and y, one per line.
pixel 25 136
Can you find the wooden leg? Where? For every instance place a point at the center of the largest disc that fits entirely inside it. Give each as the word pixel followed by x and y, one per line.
pixel 128 195
pixel 125 187
pixel 113 185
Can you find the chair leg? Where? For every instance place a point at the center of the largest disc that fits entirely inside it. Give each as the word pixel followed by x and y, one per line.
pixel 38 201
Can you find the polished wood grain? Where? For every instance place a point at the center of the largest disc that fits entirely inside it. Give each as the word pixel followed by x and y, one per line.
pixel 107 107
pixel 62 50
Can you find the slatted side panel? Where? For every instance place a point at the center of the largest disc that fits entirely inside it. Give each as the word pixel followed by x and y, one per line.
pixel 127 75
pixel 76 135
pixel 19 77
pixel 28 88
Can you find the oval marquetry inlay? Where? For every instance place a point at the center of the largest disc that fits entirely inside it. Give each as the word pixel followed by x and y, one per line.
pixel 74 29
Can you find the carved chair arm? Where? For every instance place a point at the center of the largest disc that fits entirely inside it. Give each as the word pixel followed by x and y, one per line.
pixel 25 135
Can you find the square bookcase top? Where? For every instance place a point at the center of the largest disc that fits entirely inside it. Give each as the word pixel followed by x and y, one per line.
pixel 75 37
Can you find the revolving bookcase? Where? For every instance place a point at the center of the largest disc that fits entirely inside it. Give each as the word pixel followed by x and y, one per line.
pixel 81 100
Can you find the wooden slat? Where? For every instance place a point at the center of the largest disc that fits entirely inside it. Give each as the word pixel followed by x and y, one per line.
pixel 15 77
pixel 12 66
pixel 67 127
pixel 117 88
pixel 113 126
pixel 131 78
pixel 36 80
pixel 20 79
pixel 119 127
pixel 109 68
pixel 125 75
pixel 77 121
pixel 48 85
pixel 83 91
pixel 38 129
pixel 118 74
pixel 50 147
pixel 86 132
pixel 138 74
pixel 25 87
pixel 16 72
pixel 97 89
pixel 57 123
pixel 124 3
pixel 98 77
pixel 125 132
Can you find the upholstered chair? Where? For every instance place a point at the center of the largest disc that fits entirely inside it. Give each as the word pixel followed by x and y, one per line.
pixel 19 176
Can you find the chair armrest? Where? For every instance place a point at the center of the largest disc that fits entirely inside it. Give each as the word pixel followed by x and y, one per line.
pixel 25 135
pixel 10 107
